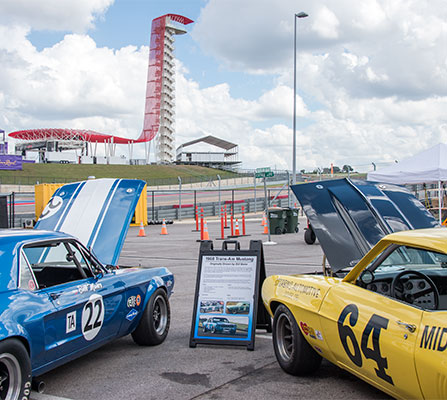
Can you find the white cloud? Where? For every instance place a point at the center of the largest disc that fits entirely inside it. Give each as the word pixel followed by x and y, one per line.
pixel 326 23
pixel 403 41
pixel 63 15
pixel 72 84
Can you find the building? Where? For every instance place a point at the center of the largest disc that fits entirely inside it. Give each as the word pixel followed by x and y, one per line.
pixel 226 159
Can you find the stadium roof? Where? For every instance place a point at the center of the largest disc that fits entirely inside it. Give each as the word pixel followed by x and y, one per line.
pixel 72 134
pixel 223 144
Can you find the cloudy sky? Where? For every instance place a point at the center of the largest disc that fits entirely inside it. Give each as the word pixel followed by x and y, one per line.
pixel 371 74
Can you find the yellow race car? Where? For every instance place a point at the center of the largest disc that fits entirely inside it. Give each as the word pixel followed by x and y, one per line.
pixel 385 321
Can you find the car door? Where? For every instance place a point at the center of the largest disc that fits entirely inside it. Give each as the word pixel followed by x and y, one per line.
pixel 371 335
pixel 87 309
pixel 430 354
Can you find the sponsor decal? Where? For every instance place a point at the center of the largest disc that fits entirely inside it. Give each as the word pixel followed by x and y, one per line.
pixel 304 328
pixel 169 283
pixel 434 338
pixel 308 331
pixel 133 301
pixel 298 287
pixel 31 285
pixel 319 335
pixel 318 349
pixel 52 208
pixel 92 316
pixel 131 314
pixel 71 322
pixel 87 287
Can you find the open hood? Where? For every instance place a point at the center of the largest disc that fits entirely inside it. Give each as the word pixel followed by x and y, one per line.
pixel 98 212
pixel 350 216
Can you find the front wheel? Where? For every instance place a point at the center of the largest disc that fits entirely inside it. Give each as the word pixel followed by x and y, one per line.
pixel 294 354
pixel 309 236
pixel 15 370
pixel 154 325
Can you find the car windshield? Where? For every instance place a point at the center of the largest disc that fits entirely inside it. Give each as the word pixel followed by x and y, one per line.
pixel 404 257
pixel 220 320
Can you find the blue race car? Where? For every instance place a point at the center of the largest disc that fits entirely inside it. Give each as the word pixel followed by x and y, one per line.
pixel 219 325
pixel 62 297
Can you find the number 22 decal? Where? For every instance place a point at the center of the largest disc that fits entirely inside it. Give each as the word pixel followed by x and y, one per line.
pixel 373 327
pixel 92 316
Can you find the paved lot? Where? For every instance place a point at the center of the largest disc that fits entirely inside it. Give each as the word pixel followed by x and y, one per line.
pixel 123 370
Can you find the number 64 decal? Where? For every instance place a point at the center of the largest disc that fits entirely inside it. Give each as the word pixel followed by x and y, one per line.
pixel 373 327
pixel 92 316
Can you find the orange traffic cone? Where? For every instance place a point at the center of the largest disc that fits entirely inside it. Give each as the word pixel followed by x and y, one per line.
pixel 266 229
pixel 236 230
pixel 263 220
pixel 141 231
pixel 206 235
pixel 164 230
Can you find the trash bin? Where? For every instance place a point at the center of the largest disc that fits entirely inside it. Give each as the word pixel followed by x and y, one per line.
pixel 291 220
pixel 277 220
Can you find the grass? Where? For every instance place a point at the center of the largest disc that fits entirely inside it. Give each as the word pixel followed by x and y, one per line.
pixel 154 174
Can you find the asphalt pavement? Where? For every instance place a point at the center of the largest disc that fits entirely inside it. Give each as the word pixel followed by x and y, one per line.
pixel 173 370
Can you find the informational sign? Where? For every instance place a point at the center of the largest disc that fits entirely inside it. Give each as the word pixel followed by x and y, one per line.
pixel 265 172
pixel 227 295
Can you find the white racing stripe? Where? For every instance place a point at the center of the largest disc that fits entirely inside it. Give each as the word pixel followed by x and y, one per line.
pixel 86 207
pixel 92 244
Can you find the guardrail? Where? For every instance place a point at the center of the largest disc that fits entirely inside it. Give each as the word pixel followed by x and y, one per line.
pixel 211 209
pixel 176 205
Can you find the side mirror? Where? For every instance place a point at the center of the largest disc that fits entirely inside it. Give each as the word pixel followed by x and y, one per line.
pixel 366 277
pixel 98 273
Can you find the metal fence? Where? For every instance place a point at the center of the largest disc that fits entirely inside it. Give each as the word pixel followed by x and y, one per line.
pixel 181 204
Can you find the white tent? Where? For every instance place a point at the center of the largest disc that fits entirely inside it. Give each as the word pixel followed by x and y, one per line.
pixel 427 166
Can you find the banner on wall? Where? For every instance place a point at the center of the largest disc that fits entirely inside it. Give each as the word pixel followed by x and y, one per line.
pixel 10 162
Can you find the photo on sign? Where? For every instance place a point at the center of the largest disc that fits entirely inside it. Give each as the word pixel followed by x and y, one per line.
pixel 212 306
pixel 223 327
pixel 237 307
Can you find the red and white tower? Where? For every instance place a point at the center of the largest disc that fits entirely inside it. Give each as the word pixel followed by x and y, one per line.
pixel 159 115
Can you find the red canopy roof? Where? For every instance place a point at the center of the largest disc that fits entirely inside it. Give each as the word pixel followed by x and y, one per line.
pixel 72 134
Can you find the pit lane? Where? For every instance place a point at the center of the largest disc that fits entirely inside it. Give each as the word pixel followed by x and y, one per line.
pixel 123 370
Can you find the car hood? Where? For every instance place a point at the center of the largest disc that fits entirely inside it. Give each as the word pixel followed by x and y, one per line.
pixel 98 212
pixel 350 216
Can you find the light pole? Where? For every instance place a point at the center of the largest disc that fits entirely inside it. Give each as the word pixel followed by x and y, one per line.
pixel 299 15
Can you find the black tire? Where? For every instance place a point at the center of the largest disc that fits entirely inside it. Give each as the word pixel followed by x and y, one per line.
pixel 293 353
pixel 309 236
pixel 154 324
pixel 15 370
pixel 278 230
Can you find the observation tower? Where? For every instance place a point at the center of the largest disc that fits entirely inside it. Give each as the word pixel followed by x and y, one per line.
pixel 160 90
